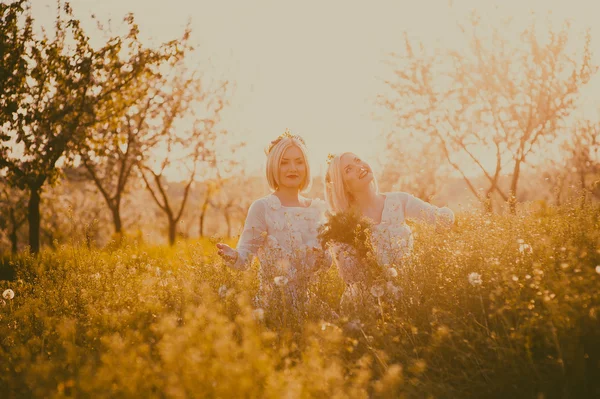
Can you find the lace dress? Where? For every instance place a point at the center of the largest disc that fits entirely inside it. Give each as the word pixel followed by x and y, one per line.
pixel 285 241
pixel 392 240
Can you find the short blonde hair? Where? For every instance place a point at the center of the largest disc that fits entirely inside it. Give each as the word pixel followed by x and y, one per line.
pixel 275 153
pixel 337 195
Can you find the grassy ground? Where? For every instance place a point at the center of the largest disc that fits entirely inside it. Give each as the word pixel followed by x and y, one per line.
pixel 140 321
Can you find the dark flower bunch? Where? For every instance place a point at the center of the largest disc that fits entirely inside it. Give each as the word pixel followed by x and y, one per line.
pixel 352 231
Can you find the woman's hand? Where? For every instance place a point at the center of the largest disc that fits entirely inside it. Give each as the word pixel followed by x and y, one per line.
pixel 228 254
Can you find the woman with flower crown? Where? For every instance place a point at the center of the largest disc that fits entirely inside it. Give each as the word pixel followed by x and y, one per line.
pixel 351 188
pixel 281 229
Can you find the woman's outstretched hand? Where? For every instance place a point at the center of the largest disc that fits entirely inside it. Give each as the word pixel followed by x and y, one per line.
pixel 228 254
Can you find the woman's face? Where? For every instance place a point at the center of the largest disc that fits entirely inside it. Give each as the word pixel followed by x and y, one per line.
pixel 357 174
pixel 292 168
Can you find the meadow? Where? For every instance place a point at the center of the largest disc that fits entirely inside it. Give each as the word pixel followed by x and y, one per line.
pixel 500 306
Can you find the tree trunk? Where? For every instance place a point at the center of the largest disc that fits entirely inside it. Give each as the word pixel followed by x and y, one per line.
pixel 116 214
pixel 512 197
pixel 13 232
pixel 583 188
pixel 172 231
pixel 202 224
pixel 34 219
pixel 488 205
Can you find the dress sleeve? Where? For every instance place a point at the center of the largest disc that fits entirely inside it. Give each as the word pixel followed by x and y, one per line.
pixel 253 236
pixel 419 210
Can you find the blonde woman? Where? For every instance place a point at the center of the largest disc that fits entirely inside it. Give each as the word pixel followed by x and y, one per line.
pixel 281 229
pixel 351 186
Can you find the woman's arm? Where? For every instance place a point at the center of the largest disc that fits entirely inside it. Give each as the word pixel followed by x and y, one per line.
pixel 417 209
pixel 253 236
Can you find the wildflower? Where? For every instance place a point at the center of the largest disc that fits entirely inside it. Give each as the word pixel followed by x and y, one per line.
pixel 443 331
pixel 419 366
pixel 393 290
pixel 354 325
pixel 598 269
pixel 259 314
pixel 475 279
pixel 391 272
pixel 8 294
pixel 377 291
pixel 223 291
pixel 283 265
pixel 525 248
pixel 280 281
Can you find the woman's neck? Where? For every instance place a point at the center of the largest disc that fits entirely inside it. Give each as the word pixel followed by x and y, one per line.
pixel 288 196
pixel 364 200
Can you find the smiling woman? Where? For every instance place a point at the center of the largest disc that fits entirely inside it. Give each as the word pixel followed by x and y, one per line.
pixel 281 229
pixel 352 189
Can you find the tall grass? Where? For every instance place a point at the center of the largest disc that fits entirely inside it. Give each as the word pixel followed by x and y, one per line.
pixel 501 306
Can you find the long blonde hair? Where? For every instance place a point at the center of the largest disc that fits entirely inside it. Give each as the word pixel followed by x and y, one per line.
pixel 338 198
pixel 275 152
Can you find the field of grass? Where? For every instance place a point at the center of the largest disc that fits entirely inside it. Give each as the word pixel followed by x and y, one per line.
pixel 501 306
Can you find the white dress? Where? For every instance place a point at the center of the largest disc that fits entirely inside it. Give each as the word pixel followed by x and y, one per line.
pixel 392 240
pixel 285 241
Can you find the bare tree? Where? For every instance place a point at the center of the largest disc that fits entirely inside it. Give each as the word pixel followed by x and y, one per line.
pixel 579 168
pixel 187 148
pixel 492 99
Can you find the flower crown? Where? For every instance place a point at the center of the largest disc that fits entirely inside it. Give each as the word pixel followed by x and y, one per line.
pixel 330 157
pixel 286 135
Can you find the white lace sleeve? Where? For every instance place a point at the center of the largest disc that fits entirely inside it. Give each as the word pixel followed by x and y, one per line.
pixel 253 236
pixel 417 209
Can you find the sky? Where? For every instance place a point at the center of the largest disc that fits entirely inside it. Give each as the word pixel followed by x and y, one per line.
pixel 315 67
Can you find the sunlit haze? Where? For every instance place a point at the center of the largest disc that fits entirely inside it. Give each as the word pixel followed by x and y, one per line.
pixel 313 67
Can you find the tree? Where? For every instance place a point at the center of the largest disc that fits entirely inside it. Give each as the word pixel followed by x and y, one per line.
pixel 583 156
pixel 187 148
pixel 57 88
pixel 495 99
pixel 579 167
pixel 416 170
pixel 13 213
pixel 120 141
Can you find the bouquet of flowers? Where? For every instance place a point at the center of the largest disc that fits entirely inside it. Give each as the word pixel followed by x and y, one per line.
pixel 349 231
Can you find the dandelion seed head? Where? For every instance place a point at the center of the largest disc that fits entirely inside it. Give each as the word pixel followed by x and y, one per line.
pixel 598 269
pixel 391 272
pixel 475 279
pixel 259 314
pixel 8 294
pixel 377 291
pixel 280 281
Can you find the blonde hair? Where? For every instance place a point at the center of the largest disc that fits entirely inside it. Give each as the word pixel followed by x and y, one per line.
pixel 274 154
pixel 337 196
